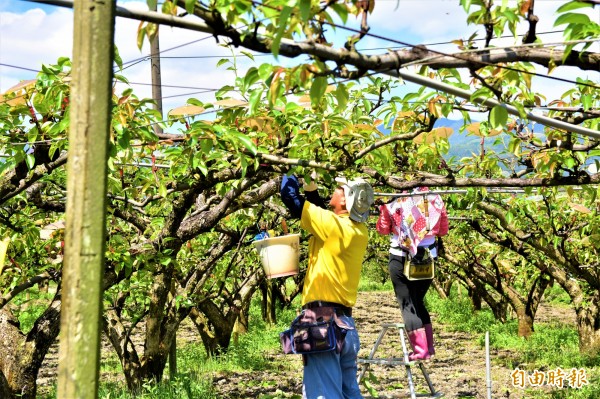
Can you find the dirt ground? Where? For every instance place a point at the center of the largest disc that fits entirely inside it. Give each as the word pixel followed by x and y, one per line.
pixel 458 370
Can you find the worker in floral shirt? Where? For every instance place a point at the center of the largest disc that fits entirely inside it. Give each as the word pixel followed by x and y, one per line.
pixel 413 222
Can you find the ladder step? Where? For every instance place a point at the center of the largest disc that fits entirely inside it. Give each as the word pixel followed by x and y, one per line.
pixel 393 325
pixel 391 361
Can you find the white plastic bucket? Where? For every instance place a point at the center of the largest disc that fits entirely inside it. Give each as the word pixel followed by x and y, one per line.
pixel 279 255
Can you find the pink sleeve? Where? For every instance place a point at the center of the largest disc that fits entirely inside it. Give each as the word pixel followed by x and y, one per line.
pixel 443 230
pixel 384 222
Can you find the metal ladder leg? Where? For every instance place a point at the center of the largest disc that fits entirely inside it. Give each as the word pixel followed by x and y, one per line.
pixel 365 366
pixel 411 384
pixel 397 361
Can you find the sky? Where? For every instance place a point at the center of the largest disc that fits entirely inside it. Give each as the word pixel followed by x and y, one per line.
pixel 32 34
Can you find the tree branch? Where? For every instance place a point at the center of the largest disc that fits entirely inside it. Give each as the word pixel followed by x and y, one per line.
pixel 25 285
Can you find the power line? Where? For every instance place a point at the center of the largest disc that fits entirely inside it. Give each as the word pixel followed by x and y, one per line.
pixel 450 42
pixel 406 44
pixel 173 86
pixel 187 44
pixel 164 51
pixel 211 56
pixel 20 67
pixel 458 56
pixel 188 94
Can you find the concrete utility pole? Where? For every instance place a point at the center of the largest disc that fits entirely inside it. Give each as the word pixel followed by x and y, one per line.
pixel 157 97
pixel 156 79
pixel 83 267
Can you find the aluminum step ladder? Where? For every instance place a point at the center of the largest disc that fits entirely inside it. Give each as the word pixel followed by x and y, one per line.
pixel 364 364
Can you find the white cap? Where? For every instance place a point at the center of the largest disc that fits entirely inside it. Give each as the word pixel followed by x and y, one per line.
pixel 359 198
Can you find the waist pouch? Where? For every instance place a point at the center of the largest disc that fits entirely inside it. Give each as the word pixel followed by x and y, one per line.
pixel 421 266
pixel 315 330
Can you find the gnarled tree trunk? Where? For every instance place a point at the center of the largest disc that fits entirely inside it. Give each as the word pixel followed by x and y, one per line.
pixel 268 302
pixel 588 325
pixel 21 355
pixel 215 322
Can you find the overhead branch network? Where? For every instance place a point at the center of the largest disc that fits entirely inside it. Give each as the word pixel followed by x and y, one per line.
pixel 388 64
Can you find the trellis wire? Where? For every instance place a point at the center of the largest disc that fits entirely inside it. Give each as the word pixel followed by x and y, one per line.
pixel 448 192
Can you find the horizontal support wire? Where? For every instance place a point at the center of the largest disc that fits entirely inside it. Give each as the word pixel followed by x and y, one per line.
pixel 460 191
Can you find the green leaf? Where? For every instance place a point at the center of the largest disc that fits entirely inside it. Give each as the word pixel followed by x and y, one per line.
pixel 514 146
pixel 222 61
pixel 165 261
pixel 265 71
pixel 318 88
pixel 250 78
pixel 341 10
pixel 572 18
pixel 586 101
pixel 30 159
pixel 341 94
pixel 304 9
pixel 162 188
pixel 483 93
pixel 573 5
pixel 570 163
pixel 206 145
pixel 281 24
pixel 254 101
pixel 140 37
pixel 498 117
pixel 521 108
pixel 466 4
pixel 247 54
pixel 118 59
pixel 510 217
pixel 189 6
pixel 246 142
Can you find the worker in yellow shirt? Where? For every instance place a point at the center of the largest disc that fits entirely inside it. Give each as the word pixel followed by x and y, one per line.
pixel 336 252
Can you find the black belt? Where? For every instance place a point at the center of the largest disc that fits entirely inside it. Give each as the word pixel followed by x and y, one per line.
pixel 341 310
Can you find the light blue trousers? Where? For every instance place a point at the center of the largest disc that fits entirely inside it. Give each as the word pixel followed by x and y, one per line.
pixel 332 375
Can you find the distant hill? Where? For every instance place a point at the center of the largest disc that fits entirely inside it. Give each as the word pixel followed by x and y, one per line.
pixel 463 144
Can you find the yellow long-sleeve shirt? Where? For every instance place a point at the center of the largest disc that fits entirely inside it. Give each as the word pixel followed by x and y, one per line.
pixel 336 252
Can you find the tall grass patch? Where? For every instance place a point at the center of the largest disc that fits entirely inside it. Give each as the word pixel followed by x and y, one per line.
pixel 375 277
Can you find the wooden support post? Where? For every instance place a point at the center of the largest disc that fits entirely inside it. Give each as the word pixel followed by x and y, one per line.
pixel 83 268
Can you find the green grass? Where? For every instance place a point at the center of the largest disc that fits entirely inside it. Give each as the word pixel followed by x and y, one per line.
pixel 197 368
pixel 551 347
pixel 557 295
pixel 30 305
pixel 185 386
pixel 374 278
